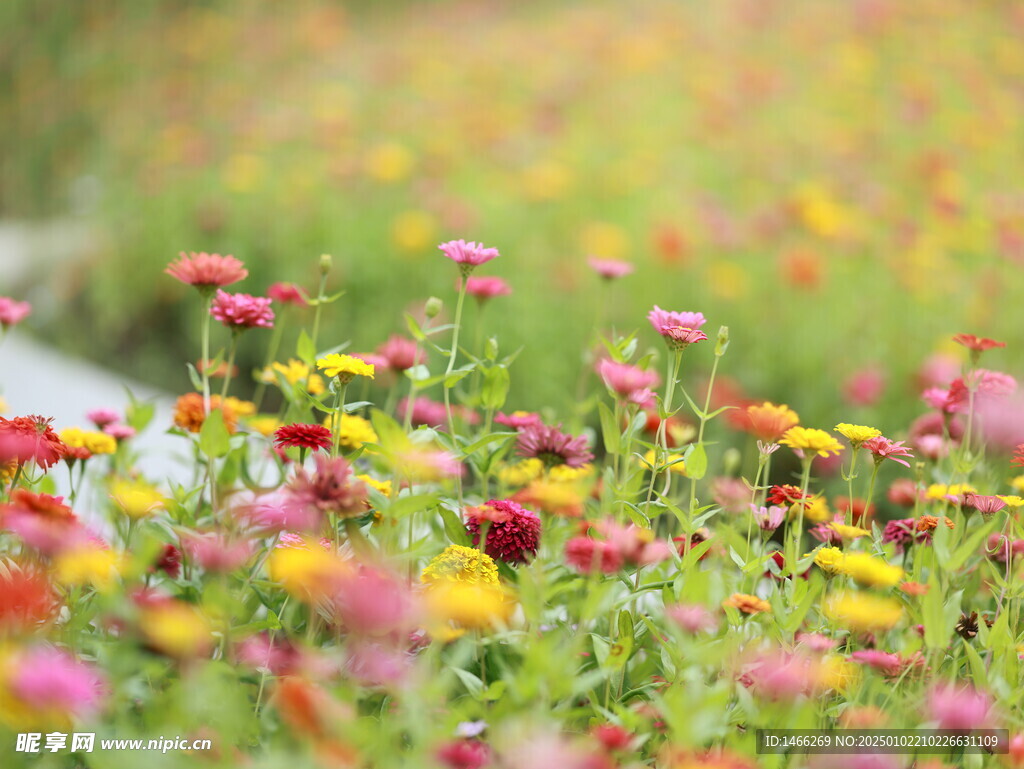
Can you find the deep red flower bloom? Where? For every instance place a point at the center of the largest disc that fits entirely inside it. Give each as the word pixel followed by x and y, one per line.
pixel 464 754
pixel 971 342
pixel 303 436
pixel 207 271
pixel 30 438
pixel 785 494
pixel 552 446
pixel 612 737
pixel 169 561
pixel 513 532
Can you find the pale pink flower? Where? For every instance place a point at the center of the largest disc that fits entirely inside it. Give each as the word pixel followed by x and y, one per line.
pixel 958 707
pixel 53 681
pixel 468 255
pixel 517 419
pixel 13 312
pixel 374 601
pixel 610 269
pixel 865 387
pixel 206 271
pixel 731 494
pixel 681 337
pixel 274 513
pixel 373 664
pixel 816 642
pixel 242 311
pixel 215 552
pixel 277 656
pixel 883 448
pixel 693 618
pixel 885 662
pixel 987 385
pixel 768 518
pixel 103 417
pixel 484 288
pixel 986 505
pixel 552 446
pixel 623 378
pixel 933 447
pixel 938 371
pixel 119 431
pixel 779 676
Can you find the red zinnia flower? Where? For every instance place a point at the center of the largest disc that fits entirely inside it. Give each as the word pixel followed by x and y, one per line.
pixel 242 311
pixel 303 436
pixel 287 293
pixel 785 494
pixel 26 598
pixel 1018 456
pixel 513 531
pixel 30 438
pixel 973 343
pixel 207 271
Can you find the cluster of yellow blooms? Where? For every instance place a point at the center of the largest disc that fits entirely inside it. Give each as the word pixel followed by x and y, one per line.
pixel 93 441
pixel 865 569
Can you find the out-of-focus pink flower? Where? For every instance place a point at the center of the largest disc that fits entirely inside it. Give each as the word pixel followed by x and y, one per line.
pixel 625 379
pixel 816 642
pixel 588 555
pixel 372 601
pixel 904 492
pixel 287 293
pixel 43 522
pixel 216 552
pixel 883 448
pixel 610 269
pixel 885 662
pixel 241 311
pixel 864 388
pixel 776 675
pixel 432 413
pixel 274 513
pixel 278 656
pixel 517 419
pixel 975 344
pixel 484 288
pixel 120 432
pixel 374 664
pixel 401 353
pixel 988 386
pixel 50 680
pixel 937 398
pixel 103 417
pixel 513 532
pixel 12 313
pixel 1001 422
pixel 468 255
pixel 663 320
pixel 332 488
pixel 424 464
pixel 693 618
pixel 958 707
pixel 938 371
pixel 732 494
pixel 206 271
pixel 933 447
pixel 552 446
pixel 464 754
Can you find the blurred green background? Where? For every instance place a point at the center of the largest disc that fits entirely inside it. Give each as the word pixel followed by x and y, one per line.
pixel 838 182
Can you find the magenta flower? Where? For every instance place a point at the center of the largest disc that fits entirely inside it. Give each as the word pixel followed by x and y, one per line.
pixel 610 269
pixel 103 417
pixel 693 618
pixel 119 431
pixel 468 255
pixel 207 271
pixel 625 379
pixel 883 449
pixel 11 312
pixel 768 518
pixel 374 601
pixel 588 555
pixel 274 513
pixel 884 662
pixel 986 505
pixel 662 320
pixel 287 293
pixel 680 337
pixel 51 680
pixel 432 413
pixel 816 642
pixel 553 447
pixel 513 532
pixel 241 311
pixel 332 488
pixel 517 419
pixel 215 552
pixel 484 288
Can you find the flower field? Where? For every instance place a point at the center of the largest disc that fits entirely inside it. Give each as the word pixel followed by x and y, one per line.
pixel 364 575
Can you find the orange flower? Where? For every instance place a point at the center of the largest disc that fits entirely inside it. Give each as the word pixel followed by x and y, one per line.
pixel 929 522
pixel 769 421
pixel 914 588
pixel 748 604
pixel 189 414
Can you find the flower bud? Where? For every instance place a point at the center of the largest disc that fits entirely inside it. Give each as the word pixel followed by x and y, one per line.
pixel 723 341
pixel 433 307
pixel 491 348
pixel 325 263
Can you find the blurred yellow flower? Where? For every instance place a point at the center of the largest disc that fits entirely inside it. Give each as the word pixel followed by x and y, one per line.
pixel 243 172
pixel 863 612
pixel 679 468
pixel 545 180
pixel 521 473
pixel 838 673
pixel 354 431
pixel 240 407
pixel 869 571
pixel 413 231
pixel 566 474
pixel 605 240
pixel 264 424
pixel 177 629
pixel 458 563
pixel 94 441
pixel 848 532
pixel 305 572
pixel 88 565
pixel 294 371
pixel 136 498
pixel 941 490
pixel 471 606
pixel 389 162
pixel 384 487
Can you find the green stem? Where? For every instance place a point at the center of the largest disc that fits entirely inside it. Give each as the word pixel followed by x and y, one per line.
pixel 700 435
pixel 661 438
pixel 871 491
pixel 339 406
pixel 231 364
pixel 453 355
pixel 320 296
pixel 204 362
pixel 849 481
pixel 275 345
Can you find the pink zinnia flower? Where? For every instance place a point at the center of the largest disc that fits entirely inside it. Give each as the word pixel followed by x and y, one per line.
pixel 553 447
pixel 12 312
pixel 610 269
pixel 988 386
pixel 215 552
pixel 303 436
pixel 904 492
pixel 51 680
pixel 373 601
pixel 662 320
pixel 958 708
pixel 400 353
pixel 468 255
pixel 464 754
pixel 332 488
pixel 103 417
pixel 513 532
pixel 986 505
pixel 241 311
pixel 30 439
pixel 693 618
pixel 287 293
pixel 885 662
pixel 864 388
pixel 119 431
pixel 207 271
pixel 731 494
pixel 681 337
pixel 373 664
pixel 588 555
pixel 521 419
pixel 883 448
pixel 816 642
pixel 273 513
pixel 625 379
pixel 780 676
pixel 768 518
pixel 432 413
pixel 485 288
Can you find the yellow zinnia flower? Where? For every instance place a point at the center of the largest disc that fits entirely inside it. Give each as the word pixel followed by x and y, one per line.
pixel 353 432
pixel 477 606
pixel 830 560
pixel 941 490
pixel 1017 484
pixel 458 563
pixel 294 371
pixel 306 571
pixel 679 468
pixel 566 474
pixel 177 629
pixel 136 498
pixel 863 612
pixel 264 424
pixel 88 565
pixel 384 487
pixel 521 473
pixel 345 367
pixel 838 673
pixel 810 439
pixel 857 434
pixel 92 441
pixel 1012 500
pixel 869 571
pixel 848 532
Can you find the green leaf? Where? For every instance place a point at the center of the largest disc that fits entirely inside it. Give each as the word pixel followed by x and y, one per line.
pixel 139 414
pixel 305 349
pixel 414 328
pixel 391 437
pixel 455 528
pixel 978 672
pixel 417 373
pixel 414 503
pixel 971 545
pixel 194 377
pixel 473 684
pixel 697 462
pixel 481 442
pixel 609 430
pixel 214 439
pixel 450 380
pixel 495 387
